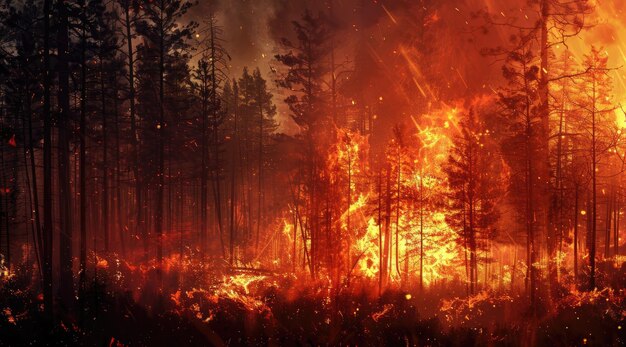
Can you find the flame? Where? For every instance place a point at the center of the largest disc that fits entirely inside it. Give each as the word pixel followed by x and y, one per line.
pixel 434 241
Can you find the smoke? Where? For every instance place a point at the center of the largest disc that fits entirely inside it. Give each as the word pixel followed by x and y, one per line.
pixel 450 58
pixel 253 28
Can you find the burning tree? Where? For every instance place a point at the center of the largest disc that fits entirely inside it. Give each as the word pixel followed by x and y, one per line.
pixel 475 177
pixel 599 135
pixel 520 104
pixel 306 68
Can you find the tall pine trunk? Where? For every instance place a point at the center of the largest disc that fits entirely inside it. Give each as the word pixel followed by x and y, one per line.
pixel 105 163
pixel 47 172
pixel 66 279
pixel 83 164
pixel 158 211
pixel 139 224
pixel 594 197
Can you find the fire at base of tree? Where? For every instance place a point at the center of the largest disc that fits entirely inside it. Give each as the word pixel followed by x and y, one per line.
pixel 362 183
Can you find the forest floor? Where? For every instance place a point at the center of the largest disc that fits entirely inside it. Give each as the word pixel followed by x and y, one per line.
pixel 252 309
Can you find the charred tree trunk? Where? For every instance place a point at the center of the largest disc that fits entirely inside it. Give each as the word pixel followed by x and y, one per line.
pixel 609 215
pixel 105 153
pixel 216 165
pixel 421 185
pixel 398 200
pixel 66 280
pixel 47 172
pixel 260 169
pixel 158 211
pixel 387 240
pixel 594 198
pixel 381 274
pixel 204 168
pixel 118 180
pixel 616 219
pixel 576 208
pixel 83 164
pixel 139 222
pixel 233 176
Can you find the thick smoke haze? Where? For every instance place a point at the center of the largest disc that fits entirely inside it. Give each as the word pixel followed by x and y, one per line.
pixel 452 61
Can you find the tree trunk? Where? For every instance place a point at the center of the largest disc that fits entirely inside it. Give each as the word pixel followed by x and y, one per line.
pixel 66 279
pixel 105 164
pixel 204 168
pixel 387 245
pixel 118 180
pixel 398 200
pixel 421 232
pixel 83 164
pixel 576 208
pixel 607 224
pixel 158 217
pixel 139 223
pixel 47 172
pixel 260 166
pixel 594 198
pixel 616 225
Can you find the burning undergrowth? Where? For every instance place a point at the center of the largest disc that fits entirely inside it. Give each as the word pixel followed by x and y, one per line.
pixel 201 304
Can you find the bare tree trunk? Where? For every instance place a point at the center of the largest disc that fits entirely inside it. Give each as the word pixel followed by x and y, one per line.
pixel 559 184
pixel 105 159
pixel 607 233
pixel 29 153
pixel 387 248
pixel 216 151
pixel 66 279
pixel 234 169
pixel 83 164
pixel 204 169
pixel 543 168
pixel 139 223
pixel 381 273
pixel 118 180
pixel 576 208
pixel 421 232
pixel 260 169
pixel 158 221
pixel 616 224
pixel 594 199
pixel 47 172
pixel 398 200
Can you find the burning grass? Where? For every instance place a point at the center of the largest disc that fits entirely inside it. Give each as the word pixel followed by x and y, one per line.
pixel 201 305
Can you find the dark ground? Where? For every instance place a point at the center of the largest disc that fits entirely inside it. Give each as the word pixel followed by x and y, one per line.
pixel 306 316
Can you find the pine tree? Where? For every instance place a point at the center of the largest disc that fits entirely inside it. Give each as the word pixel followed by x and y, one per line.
pixel 600 134
pixel 473 171
pixel 163 36
pixel 521 140
pixel 306 65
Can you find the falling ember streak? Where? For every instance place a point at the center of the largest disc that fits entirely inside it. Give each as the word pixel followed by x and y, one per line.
pixel 419 87
pixel 416 73
pixel 389 14
pixel 621 51
pixel 388 72
pixel 461 77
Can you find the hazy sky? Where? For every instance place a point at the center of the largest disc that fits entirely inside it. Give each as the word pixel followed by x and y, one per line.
pixel 252 29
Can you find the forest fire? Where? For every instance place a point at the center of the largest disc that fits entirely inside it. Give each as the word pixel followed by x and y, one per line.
pixel 427 173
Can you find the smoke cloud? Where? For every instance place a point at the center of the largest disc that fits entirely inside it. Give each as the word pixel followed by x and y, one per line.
pixel 451 57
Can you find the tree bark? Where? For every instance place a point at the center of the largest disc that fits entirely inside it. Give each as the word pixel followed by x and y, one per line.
pixel 66 279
